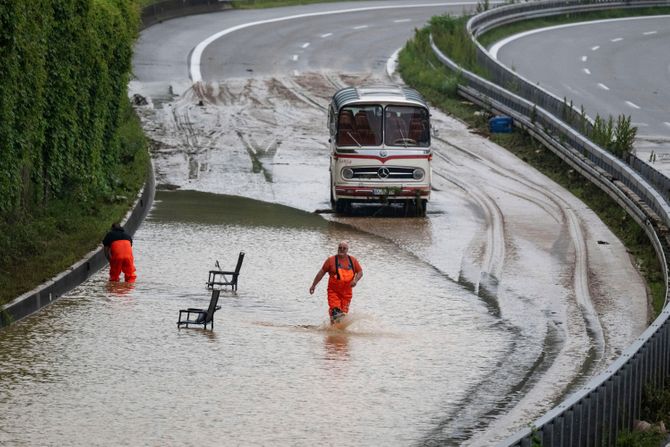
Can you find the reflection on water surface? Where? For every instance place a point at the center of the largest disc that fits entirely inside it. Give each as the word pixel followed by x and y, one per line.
pixel 107 362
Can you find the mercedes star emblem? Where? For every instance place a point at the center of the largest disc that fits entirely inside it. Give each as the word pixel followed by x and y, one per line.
pixel 383 172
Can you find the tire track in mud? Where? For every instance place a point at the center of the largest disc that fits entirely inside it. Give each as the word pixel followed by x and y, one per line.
pixel 556 207
pixel 561 211
pixel 501 397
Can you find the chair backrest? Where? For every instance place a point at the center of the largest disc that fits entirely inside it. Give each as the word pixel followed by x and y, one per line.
pixel 213 302
pixel 240 258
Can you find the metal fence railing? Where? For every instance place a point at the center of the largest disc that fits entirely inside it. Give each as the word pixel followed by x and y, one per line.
pixel 610 402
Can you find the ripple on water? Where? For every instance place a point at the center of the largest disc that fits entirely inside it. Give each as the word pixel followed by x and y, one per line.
pixel 108 360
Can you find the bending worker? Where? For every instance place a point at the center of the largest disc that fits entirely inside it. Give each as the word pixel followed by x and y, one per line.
pixel 345 272
pixel 119 252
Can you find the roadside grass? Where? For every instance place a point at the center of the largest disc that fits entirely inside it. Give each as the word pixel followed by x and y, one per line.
pixel 36 247
pixel 654 408
pixel 421 70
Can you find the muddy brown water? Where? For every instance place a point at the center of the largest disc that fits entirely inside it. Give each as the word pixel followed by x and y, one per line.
pixel 107 361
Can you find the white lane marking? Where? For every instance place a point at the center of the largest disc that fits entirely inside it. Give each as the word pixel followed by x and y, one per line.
pixel 585 58
pixel 603 86
pixel 666 123
pixel 196 56
pixel 360 27
pixel 587 71
pixel 495 48
pixel 402 20
pixel 392 63
pixel 294 57
pixel 649 33
pixel 633 105
pixel 305 45
pixel 323 36
pixel 595 48
pixel 295 73
pixel 616 39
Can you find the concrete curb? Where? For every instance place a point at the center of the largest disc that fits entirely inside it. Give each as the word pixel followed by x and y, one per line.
pixel 53 289
pixel 44 294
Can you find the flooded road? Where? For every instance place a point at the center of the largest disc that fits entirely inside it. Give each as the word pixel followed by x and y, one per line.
pixel 108 358
pixel 468 324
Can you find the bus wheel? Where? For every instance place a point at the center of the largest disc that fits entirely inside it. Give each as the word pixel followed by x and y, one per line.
pixel 409 208
pixel 341 206
pixel 421 206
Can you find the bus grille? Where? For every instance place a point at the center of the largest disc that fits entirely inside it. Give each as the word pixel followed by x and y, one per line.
pixel 382 173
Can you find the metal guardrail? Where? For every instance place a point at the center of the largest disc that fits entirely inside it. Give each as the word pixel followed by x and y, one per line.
pixel 610 402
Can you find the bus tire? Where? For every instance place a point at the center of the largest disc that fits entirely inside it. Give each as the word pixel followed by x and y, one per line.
pixel 421 206
pixel 341 206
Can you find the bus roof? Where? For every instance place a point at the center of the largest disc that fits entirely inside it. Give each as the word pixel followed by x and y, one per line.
pixel 377 94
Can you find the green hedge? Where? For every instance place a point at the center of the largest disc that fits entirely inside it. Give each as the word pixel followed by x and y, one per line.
pixel 63 78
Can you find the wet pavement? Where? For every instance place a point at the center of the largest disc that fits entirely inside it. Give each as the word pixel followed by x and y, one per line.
pixel 468 323
pixel 108 358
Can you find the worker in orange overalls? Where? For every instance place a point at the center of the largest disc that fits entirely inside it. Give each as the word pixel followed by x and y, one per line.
pixel 118 247
pixel 345 272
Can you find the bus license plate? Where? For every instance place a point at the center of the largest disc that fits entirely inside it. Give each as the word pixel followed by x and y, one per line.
pixel 378 192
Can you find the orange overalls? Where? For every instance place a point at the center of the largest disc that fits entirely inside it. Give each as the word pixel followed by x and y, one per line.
pixel 339 287
pixel 121 259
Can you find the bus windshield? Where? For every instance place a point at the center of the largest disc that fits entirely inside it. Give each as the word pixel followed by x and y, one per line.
pixel 406 126
pixel 360 125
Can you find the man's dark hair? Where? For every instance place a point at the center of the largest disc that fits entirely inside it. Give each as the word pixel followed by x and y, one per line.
pixel 117 226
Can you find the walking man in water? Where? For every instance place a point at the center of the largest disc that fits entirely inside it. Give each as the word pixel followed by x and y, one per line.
pixel 119 252
pixel 345 272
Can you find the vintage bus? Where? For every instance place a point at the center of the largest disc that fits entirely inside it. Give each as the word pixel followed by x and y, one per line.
pixel 380 148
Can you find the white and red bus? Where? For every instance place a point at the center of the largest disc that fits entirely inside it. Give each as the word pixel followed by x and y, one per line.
pixel 380 148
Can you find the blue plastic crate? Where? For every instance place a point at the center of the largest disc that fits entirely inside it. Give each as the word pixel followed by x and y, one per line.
pixel 500 124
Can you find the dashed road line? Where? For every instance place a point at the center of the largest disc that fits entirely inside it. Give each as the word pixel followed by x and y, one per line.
pixel 294 57
pixel 595 48
pixel 323 36
pixel 402 20
pixel 603 86
pixel 616 39
pixel 587 71
pixel 195 60
pixel 360 26
pixel 666 123
pixel 633 105
pixel 649 33
pixel 585 58
pixel 305 45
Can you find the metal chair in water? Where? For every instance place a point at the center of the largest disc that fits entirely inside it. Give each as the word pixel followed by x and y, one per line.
pixel 202 316
pixel 222 279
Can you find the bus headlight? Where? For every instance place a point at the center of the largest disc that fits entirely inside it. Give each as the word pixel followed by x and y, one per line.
pixel 418 174
pixel 347 173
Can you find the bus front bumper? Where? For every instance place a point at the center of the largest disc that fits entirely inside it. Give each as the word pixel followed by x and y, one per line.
pixel 365 193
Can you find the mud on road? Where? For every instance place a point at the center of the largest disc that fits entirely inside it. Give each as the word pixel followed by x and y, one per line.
pixel 523 246
pixel 260 138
